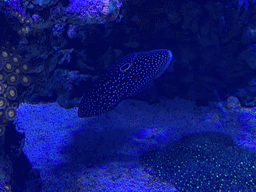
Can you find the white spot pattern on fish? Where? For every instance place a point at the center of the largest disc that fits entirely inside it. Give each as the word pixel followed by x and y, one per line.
pixel 127 77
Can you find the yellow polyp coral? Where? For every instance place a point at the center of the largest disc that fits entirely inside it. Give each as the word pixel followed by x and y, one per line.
pixel 22 20
pixel 25 80
pixel 2 119
pixel 1 88
pixel 6 188
pixel 17 71
pixel 3 103
pixel 1 65
pixel 19 16
pixel 25 68
pixel 12 79
pixel 2 76
pixel 2 130
pixel 13 75
pixel 25 29
pixel 15 59
pixel 4 54
pixel 11 93
pixel 8 67
pixel 10 113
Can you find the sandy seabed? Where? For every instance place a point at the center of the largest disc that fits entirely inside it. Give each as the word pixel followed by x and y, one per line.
pixel 101 153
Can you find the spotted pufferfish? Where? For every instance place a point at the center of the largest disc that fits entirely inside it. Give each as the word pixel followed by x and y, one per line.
pixel 127 77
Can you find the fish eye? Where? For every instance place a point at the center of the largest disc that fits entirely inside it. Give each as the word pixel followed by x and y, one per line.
pixel 125 67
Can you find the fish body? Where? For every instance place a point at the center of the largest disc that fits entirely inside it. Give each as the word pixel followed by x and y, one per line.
pixel 127 77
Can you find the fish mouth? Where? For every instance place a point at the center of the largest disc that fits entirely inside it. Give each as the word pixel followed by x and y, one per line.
pixel 170 56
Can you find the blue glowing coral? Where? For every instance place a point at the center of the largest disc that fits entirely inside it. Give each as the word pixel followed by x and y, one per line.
pixel 85 7
pixel 37 2
pixel 94 11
